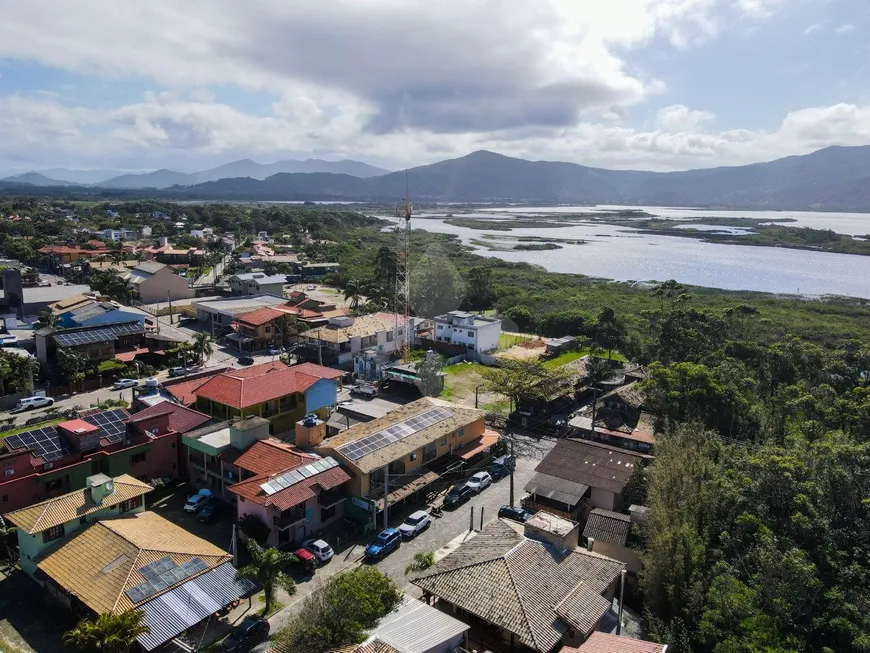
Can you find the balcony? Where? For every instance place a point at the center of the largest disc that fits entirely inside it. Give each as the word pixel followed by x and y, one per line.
pixel 289 517
pixel 330 497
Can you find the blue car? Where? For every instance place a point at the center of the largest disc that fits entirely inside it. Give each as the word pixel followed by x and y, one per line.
pixel 387 541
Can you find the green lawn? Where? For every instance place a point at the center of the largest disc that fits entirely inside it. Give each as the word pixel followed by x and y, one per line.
pixel 569 356
pixel 460 381
pixel 22 429
pixel 508 340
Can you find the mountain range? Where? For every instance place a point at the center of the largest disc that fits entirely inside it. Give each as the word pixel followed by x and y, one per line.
pixel 832 179
pixel 165 178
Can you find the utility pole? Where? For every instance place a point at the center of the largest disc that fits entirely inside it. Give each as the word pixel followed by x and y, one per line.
pixel 513 465
pixel 386 495
pixel 476 389
pixel 621 599
pixel 169 298
pixel 471 521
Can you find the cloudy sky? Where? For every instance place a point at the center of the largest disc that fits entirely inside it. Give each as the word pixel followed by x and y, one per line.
pixel 652 84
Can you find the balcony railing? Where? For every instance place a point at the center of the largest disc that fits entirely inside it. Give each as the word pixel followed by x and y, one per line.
pixel 288 518
pixel 329 498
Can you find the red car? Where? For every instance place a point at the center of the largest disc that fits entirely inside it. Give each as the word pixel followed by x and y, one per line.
pixel 306 560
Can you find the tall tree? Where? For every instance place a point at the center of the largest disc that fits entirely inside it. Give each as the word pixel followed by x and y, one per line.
pixel 268 569
pixel 597 370
pixel 525 381
pixel 429 373
pixel 73 364
pixel 436 286
pixel 108 633
pixel 353 292
pixel 202 346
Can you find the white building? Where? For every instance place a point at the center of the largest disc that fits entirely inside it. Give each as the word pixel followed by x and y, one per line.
pixel 338 342
pixel 474 332
pixel 117 235
pixel 258 283
pixel 155 282
pixel 220 313
pixel 207 233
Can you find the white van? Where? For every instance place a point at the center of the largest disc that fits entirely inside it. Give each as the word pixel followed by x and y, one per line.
pixel 29 403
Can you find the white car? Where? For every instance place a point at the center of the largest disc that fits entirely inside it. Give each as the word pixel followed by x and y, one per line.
pixel 479 481
pixel 120 384
pixel 29 403
pixel 321 550
pixel 416 523
pixel 197 501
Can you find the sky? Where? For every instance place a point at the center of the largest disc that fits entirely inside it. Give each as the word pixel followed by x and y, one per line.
pixel 629 84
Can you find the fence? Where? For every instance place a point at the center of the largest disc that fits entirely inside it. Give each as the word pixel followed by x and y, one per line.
pixel 7 402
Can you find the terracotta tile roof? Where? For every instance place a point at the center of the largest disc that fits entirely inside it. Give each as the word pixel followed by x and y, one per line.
pixel 478 445
pixel 127 356
pixel 292 496
pixel 181 418
pixel 260 316
pixel 67 507
pixel 100 563
pixel 461 417
pixel 599 642
pixel 184 390
pixel 260 383
pixel 514 583
pixel 590 464
pixel 271 456
pixel 607 526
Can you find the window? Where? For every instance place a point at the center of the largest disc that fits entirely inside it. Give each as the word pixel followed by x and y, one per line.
pixel 135 459
pixel 444 441
pixel 130 504
pixel 414 456
pixel 241 499
pixel 389 336
pixel 268 329
pixel 327 513
pixel 52 534
pixel 5 498
pixel 83 521
pixel 471 334
pixel 54 485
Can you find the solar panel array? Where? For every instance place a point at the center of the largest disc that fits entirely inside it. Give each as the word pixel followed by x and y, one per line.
pixel 45 443
pixel 111 423
pixel 371 443
pixel 162 574
pixel 96 335
pixel 288 479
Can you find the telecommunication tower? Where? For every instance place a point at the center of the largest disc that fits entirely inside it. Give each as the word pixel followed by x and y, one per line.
pixel 401 330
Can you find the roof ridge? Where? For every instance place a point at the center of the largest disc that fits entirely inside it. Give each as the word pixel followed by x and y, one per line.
pixel 519 596
pixel 129 574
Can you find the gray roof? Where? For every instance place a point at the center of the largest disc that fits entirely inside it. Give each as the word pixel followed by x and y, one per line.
pixel 185 606
pixel 517 583
pixel 607 526
pixel 415 627
pixel 149 267
pixel 595 465
pixel 558 489
pixel 90 311
pixel 52 293
pixel 275 278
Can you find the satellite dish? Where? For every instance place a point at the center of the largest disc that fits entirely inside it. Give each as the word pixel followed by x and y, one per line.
pixel 110 486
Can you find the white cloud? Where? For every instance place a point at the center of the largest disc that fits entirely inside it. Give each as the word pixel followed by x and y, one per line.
pixel 679 118
pixel 846 28
pixel 812 29
pixel 758 8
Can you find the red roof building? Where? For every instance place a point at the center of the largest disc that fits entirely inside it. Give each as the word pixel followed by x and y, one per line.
pixel 599 642
pixel 178 418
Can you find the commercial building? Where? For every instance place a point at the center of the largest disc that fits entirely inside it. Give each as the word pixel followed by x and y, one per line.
pixel 474 332
pixel 343 337
pixel 404 444
pixel 258 283
pixel 42 524
pixel 275 391
pixel 156 282
pixel 143 562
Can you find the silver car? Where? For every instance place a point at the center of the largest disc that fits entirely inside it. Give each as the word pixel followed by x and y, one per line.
pixel 479 481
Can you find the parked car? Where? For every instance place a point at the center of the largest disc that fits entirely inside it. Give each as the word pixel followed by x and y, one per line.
pixel 501 467
pixel 414 524
pixel 275 351
pixel 457 495
pixel 321 549
pixel 8 340
pixel 479 482
pixel 387 541
pixel 245 360
pixel 307 560
pixel 365 390
pixel 208 512
pixel 178 371
pixel 312 288
pixel 29 403
pixel 120 384
pixel 516 514
pixel 197 501
pixel 246 634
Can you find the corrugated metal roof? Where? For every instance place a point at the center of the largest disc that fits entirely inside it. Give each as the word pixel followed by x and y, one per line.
pixel 415 627
pixel 558 489
pixel 177 610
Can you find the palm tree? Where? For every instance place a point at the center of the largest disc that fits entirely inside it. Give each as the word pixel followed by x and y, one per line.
pixel 109 633
pixel 202 346
pixel 422 561
pixel 353 292
pixel 597 370
pixel 267 569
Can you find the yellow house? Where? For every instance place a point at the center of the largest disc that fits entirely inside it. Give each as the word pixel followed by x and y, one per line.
pixel 256 329
pixel 275 391
pixel 403 443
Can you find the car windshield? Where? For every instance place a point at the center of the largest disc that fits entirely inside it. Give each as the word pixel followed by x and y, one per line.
pixel 413 521
pixel 383 538
pixel 455 491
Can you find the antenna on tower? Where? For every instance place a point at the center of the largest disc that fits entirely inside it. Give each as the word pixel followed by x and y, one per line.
pixel 402 330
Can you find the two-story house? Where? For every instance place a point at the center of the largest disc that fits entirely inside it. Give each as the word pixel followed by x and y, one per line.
pixel 257 283
pixel 256 329
pixel 155 282
pixel 474 332
pixel 97 343
pixel 275 391
pixel 43 524
pixel 344 336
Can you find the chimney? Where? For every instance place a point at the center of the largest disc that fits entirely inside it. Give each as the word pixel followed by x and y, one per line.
pixel 591 543
pixel 310 431
pixel 100 486
pixel 559 532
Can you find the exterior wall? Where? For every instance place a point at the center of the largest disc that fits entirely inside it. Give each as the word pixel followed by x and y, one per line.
pixel 276 289
pixel 323 394
pixel 621 553
pixel 298 531
pixel 154 289
pixel 487 337
pixel 603 499
pixel 481 337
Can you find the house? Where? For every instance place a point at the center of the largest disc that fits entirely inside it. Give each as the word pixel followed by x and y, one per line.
pixel 405 443
pixel 117 235
pixel 97 343
pixel 220 313
pixel 14 297
pixel 620 420
pixel 65 254
pixel 97 314
pixel 314 271
pixel 527 586
pixel 255 330
pixel 343 337
pixel 155 282
pixel 606 532
pixel 295 493
pixel 276 391
pixel 42 524
pixel 599 642
pixel 52 460
pixel 144 562
pixel 179 256
pixel 181 390
pixel 257 283
pixel 577 476
pixel 474 332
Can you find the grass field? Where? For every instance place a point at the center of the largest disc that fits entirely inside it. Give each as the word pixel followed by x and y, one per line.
pixel 508 340
pixel 570 356
pixel 22 429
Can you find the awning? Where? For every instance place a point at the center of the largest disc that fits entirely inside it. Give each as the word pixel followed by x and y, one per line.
pixel 478 445
pixel 558 489
pixel 172 613
pixel 127 356
pixel 238 337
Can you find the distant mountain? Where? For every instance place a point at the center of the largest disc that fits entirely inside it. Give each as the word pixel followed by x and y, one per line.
pixel 243 168
pixel 80 176
pixel 37 179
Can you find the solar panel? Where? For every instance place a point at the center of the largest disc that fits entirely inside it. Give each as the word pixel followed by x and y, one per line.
pixel 293 477
pixel 371 443
pixel 110 423
pixel 162 574
pixel 45 443
pixel 76 338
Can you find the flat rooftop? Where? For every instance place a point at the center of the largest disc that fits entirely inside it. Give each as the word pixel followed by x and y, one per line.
pixel 240 304
pixel 544 521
